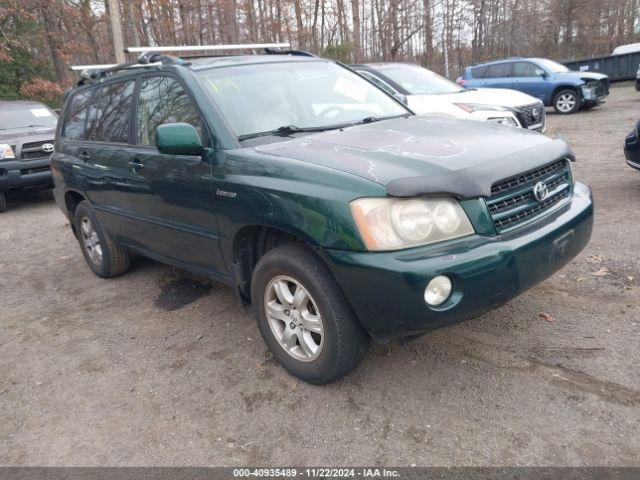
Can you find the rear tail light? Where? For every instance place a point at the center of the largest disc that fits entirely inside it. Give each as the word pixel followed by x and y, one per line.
pixel 460 81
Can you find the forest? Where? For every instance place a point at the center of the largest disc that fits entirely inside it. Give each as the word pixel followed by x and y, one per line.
pixel 40 39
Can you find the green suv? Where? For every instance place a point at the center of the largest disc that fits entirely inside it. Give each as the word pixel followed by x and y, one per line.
pixel 326 204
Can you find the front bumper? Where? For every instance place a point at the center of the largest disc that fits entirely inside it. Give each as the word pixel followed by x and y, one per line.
pixel 18 174
pixel 632 149
pixel 386 290
pixel 593 96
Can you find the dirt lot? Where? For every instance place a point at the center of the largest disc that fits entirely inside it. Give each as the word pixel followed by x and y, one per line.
pixel 158 368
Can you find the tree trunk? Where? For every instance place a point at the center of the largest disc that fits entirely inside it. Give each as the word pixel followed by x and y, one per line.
pixel 53 39
pixel 355 13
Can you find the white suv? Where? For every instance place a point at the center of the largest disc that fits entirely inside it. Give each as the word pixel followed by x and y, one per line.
pixel 426 92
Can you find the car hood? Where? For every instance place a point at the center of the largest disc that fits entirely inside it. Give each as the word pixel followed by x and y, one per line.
pixel 501 97
pixel 13 135
pixel 426 156
pixel 581 75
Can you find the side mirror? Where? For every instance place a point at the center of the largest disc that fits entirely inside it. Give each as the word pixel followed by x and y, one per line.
pixel 178 139
pixel 402 98
pixel 541 73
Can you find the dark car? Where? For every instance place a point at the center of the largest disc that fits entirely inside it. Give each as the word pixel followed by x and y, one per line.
pixel 632 147
pixel 26 143
pixel 321 200
pixel 553 83
pixel 638 79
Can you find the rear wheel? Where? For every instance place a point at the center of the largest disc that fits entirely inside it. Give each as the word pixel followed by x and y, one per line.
pixel 3 202
pixel 304 316
pixel 566 101
pixel 104 257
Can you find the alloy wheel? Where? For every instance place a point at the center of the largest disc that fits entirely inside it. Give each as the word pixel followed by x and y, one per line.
pixel 91 241
pixel 294 318
pixel 566 102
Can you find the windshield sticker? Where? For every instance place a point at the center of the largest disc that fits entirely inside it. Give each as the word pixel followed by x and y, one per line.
pixel 40 112
pixel 219 84
pixel 350 89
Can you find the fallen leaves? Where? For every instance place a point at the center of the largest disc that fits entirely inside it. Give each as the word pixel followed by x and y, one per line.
pixel 595 258
pixel 601 272
pixel 546 317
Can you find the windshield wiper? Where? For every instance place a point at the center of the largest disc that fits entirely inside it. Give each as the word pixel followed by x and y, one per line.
pixel 378 119
pixel 287 130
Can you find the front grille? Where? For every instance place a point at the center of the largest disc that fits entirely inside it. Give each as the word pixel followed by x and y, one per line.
pixel 28 171
pixel 35 144
pixel 34 154
pixel 33 150
pixel 513 203
pixel 532 116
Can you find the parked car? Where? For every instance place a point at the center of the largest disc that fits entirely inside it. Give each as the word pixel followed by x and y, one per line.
pixel 632 147
pixel 557 86
pixel 321 200
pixel 26 143
pixel 427 92
pixel 638 79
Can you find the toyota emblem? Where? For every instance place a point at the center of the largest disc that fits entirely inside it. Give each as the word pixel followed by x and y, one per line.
pixel 540 191
pixel 537 113
pixel 47 147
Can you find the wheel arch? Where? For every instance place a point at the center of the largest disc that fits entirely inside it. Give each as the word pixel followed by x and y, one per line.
pixel 251 242
pixel 565 86
pixel 71 200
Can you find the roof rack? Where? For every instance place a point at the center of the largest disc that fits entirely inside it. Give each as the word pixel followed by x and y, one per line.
pixel 269 49
pixel 206 48
pixel 77 68
pixel 95 72
pixel 151 57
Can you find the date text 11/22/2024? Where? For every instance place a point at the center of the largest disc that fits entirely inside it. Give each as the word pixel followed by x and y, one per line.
pixel 316 472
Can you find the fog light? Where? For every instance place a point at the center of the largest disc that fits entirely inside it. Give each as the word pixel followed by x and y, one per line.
pixel 437 291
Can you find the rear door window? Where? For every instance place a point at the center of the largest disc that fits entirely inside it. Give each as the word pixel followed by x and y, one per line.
pixel 479 72
pixel 76 116
pixel 499 70
pixel 525 69
pixel 163 100
pixel 110 113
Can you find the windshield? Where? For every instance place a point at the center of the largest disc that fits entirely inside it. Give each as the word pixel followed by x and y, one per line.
pixel 305 95
pixel 420 81
pixel 21 116
pixel 551 66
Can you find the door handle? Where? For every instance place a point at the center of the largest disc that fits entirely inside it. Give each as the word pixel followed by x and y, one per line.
pixel 135 165
pixel 84 156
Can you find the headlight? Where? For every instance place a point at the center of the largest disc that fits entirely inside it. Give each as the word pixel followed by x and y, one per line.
pixel 572 169
pixel 589 92
pixel 394 223
pixel 503 121
pixel 472 107
pixel 6 152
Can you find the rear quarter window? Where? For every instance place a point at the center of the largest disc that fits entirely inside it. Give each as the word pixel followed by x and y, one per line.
pixel 76 116
pixel 479 72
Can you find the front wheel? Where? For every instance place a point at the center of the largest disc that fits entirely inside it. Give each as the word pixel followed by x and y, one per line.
pixel 304 316
pixel 566 101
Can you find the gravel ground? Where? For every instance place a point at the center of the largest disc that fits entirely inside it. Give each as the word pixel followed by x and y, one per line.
pixel 160 368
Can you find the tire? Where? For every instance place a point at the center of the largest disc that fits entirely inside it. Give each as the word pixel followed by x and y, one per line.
pixel 341 341
pixel 3 202
pixel 566 102
pixel 106 261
